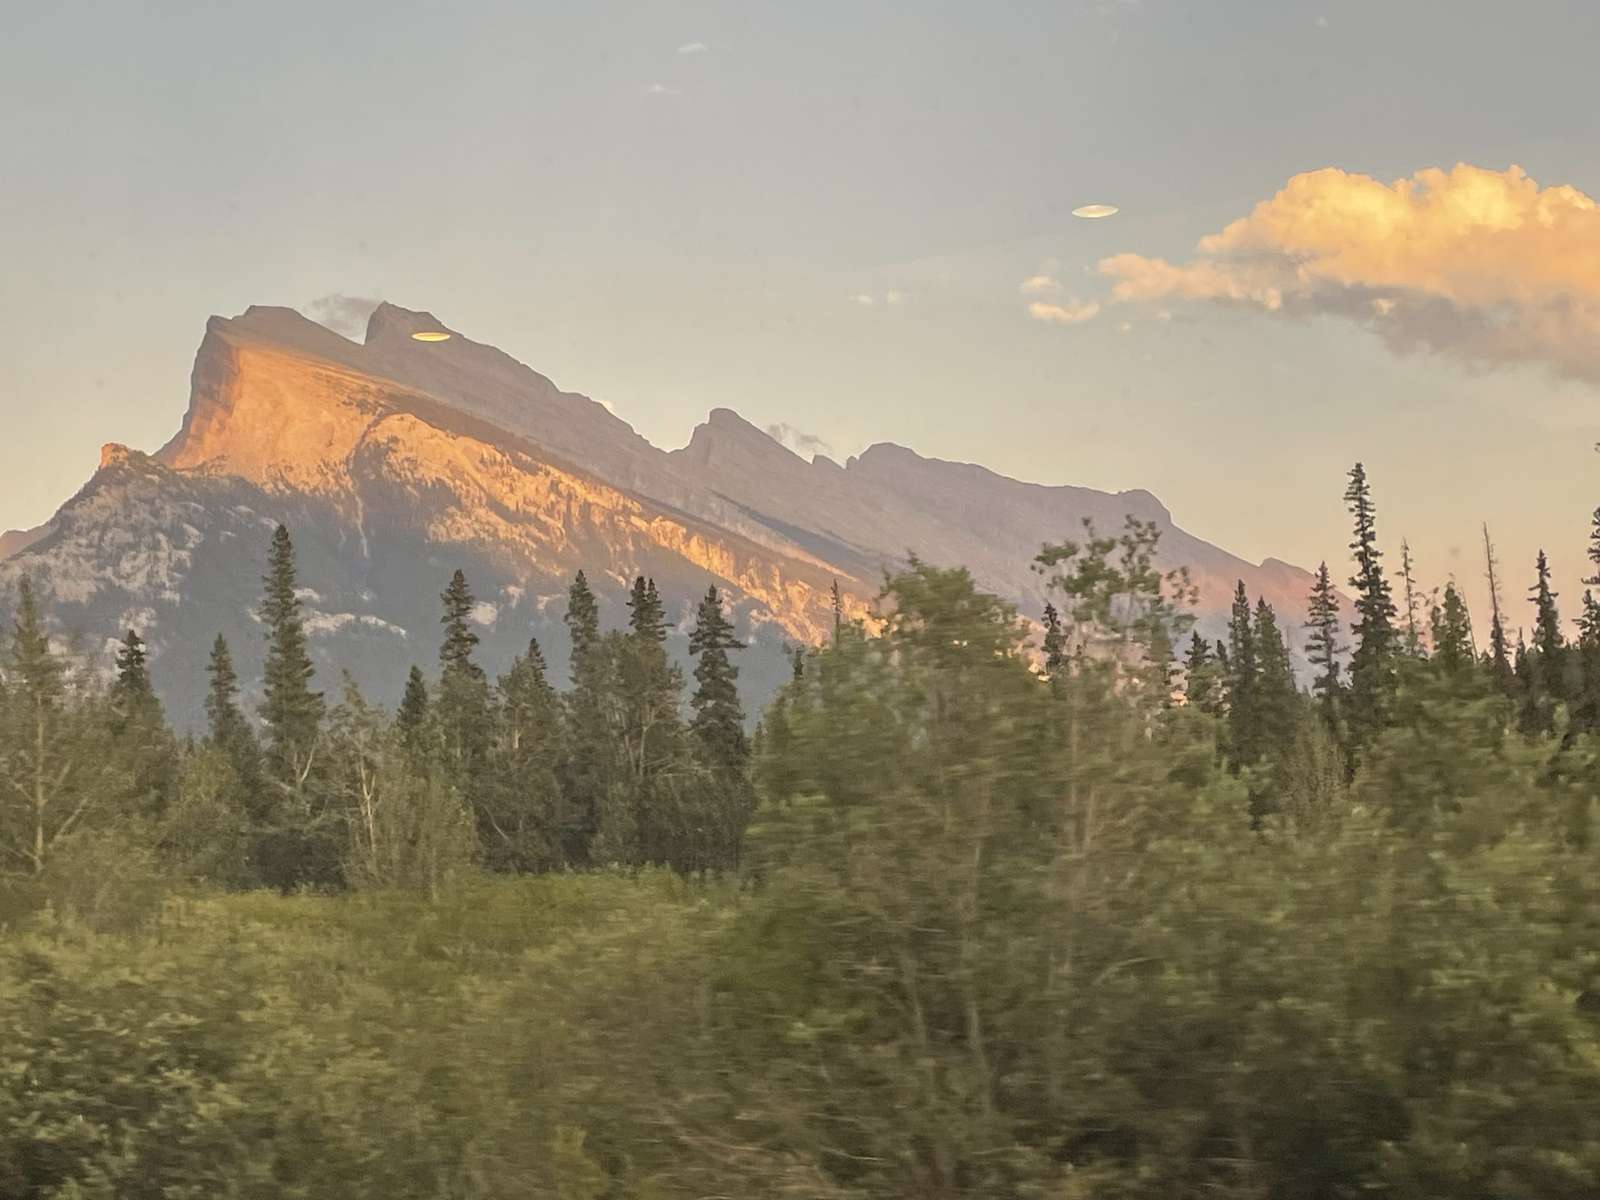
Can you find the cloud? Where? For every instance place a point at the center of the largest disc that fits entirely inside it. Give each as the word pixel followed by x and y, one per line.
pixel 1485 266
pixel 660 89
pixel 1073 312
pixel 893 296
pixel 345 315
pixel 693 48
pixel 1035 285
pixel 807 445
pixel 869 299
pixel 865 299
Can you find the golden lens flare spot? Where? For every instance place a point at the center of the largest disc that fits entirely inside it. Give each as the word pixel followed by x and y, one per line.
pixel 1094 211
pixel 430 335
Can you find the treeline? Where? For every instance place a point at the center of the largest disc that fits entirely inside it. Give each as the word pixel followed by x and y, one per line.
pixel 505 774
pixel 1010 922
pixel 1404 645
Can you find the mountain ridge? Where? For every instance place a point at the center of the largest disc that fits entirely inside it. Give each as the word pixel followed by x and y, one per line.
pixel 393 459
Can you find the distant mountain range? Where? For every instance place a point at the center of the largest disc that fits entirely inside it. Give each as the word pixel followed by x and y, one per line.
pixel 393 461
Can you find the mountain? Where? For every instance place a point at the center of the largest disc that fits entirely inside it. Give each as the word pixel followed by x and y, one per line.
pixel 393 461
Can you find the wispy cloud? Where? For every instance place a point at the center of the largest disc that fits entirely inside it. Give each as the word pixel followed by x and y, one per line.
pixel 693 48
pixel 660 89
pixel 1040 285
pixel 346 315
pixel 807 445
pixel 871 299
pixel 1483 265
pixel 1073 312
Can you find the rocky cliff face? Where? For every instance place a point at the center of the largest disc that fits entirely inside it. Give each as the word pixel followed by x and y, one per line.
pixel 394 461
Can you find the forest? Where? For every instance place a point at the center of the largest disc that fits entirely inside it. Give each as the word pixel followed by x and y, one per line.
pixel 1092 908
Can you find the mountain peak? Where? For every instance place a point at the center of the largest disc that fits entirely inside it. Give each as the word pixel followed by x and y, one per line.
pixel 389 323
pixel 115 454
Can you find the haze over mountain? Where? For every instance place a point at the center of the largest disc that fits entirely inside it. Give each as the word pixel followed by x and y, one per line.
pixel 393 461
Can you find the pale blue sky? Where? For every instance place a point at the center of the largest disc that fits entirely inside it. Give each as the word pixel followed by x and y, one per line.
pixel 671 231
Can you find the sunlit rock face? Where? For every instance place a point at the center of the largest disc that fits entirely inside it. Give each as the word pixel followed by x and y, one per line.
pixel 394 461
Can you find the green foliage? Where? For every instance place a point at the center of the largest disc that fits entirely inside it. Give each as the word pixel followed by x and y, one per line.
pixel 1372 667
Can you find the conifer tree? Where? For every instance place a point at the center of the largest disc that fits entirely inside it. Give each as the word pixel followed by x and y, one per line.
pixel 411 719
pixel 718 723
pixel 1055 642
pixel 1243 678
pixel 1452 634
pixel 797 663
pixel 1413 637
pixel 1543 665
pixel 299 844
pixel 44 767
pixel 838 607
pixel 141 768
pixel 589 768
pixel 1323 647
pixel 230 734
pixel 1202 677
pixel 521 826
pixel 463 715
pixel 455 652
pixel 290 710
pixel 1372 666
pixel 1499 650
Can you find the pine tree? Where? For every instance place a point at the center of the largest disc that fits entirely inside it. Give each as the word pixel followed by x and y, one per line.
pixel 1323 647
pixel 521 825
pixel 1499 650
pixel 1413 640
pixel 142 759
pixel 230 734
pixel 132 692
pixel 411 719
pixel 43 764
pixel 455 652
pixel 1543 665
pixel 1055 642
pixel 1372 666
pixel 1452 634
pixel 797 663
pixel 290 710
pixel 1243 678
pixel 590 767
pixel 1202 679
pixel 299 845
pixel 718 723
pixel 838 607
pixel 463 715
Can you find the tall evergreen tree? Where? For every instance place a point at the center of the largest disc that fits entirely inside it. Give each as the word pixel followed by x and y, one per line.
pixel 290 710
pixel 521 824
pixel 1543 667
pixel 1055 641
pixel 718 723
pixel 411 719
pixel 1372 666
pixel 1244 684
pixel 589 767
pixel 299 844
pixel 229 733
pixel 132 692
pixel 1499 650
pixel 1452 634
pixel 1323 647
pixel 455 651
pixel 1413 637
pixel 1202 677
pixel 582 619
pixel 142 760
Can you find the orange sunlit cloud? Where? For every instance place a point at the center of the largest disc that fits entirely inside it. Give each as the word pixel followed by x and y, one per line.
pixel 1484 265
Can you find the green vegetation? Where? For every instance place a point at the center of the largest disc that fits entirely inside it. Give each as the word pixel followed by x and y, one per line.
pixel 972 915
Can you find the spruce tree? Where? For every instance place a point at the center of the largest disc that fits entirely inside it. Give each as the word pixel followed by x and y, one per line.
pixel 1452 634
pixel 837 601
pixel 1543 665
pixel 455 651
pixel 589 767
pixel 411 719
pixel 132 692
pixel 1413 637
pixel 1055 641
pixel 1499 650
pixel 718 723
pixel 1202 677
pixel 299 845
pixel 142 762
pixel 290 710
pixel 521 825
pixel 1323 647
pixel 1372 666
pixel 1243 678
pixel 229 732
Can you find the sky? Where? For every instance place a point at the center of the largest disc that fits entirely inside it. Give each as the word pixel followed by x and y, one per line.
pixel 854 221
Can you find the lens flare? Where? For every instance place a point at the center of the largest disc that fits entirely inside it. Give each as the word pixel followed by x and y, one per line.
pixel 430 335
pixel 1093 211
